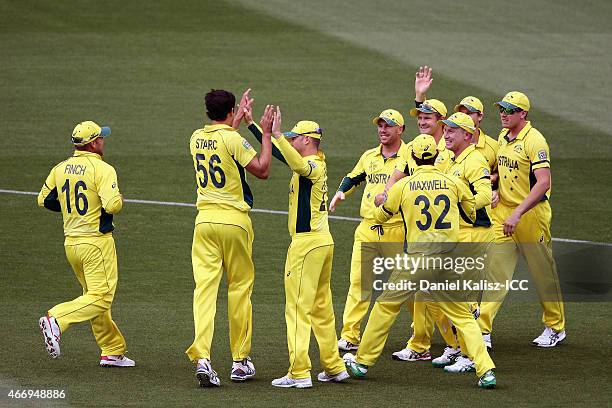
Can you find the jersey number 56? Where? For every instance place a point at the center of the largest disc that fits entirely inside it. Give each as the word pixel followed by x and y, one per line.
pixel 217 176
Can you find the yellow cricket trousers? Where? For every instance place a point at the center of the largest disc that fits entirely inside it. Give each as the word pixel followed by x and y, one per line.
pixel 425 316
pixel 425 312
pixel 383 316
pixel 533 240
pixel 309 305
pixel 94 262
pixel 219 247
pixel 358 297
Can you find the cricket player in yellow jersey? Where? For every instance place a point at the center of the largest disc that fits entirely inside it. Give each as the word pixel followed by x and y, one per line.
pixel 522 216
pixel 485 144
pixel 429 202
pixel 374 167
pixel 428 112
pixel 223 234
pixel 470 167
pixel 308 303
pixel 84 189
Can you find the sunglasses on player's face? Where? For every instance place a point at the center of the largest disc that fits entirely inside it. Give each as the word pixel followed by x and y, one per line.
pixel 508 111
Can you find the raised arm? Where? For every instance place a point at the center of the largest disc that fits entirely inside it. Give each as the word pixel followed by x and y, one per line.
pixel 295 160
pixel 256 131
pixel 259 166
pixel 245 101
pixel 422 82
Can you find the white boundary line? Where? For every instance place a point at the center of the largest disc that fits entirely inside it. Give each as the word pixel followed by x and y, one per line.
pixel 265 211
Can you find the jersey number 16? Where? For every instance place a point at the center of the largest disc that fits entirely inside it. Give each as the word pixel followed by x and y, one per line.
pixel 80 199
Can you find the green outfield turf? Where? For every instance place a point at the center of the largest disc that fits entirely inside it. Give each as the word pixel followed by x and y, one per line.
pixel 143 69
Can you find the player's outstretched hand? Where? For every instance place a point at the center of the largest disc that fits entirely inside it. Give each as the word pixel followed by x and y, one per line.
pixel 335 200
pixel 422 82
pixel 239 114
pixel 276 123
pixel 380 199
pixel 248 112
pixel 266 120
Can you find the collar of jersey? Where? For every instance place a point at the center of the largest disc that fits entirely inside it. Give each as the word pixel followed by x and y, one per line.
pixel 392 156
pixel 441 144
pixel 212 128
pixel 464 154
pixel 78 153
pixel 521 134
pixel 482 139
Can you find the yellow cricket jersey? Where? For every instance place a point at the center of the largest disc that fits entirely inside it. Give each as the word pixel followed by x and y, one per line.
pixel 472 169
pixel 219 157
pixel 307 190
pixel 516 161
pixel 84 188
pixel 375 170
pixel 428 202
pixel 487 146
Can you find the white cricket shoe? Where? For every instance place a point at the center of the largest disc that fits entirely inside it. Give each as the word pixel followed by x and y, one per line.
pixel 462 365
pixel 346 345
pixel 549 338
pixel 486 337
pixel 51 335
pixel 116 361
pixel 286 382
pixel 242 370
pixel 408 354
pixel 447 358
pixel 341 376
pixel 207 377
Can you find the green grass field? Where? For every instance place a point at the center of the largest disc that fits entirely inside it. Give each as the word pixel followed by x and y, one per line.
pixel 143 69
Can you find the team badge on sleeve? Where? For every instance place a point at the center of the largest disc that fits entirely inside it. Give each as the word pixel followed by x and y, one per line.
pixel 486 172
pixel 312 164
pixel 542 155
pixel 246 144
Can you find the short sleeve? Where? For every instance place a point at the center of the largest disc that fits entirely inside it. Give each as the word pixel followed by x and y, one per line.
pixel 240 149
pixel 108 187
pixel 538 152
